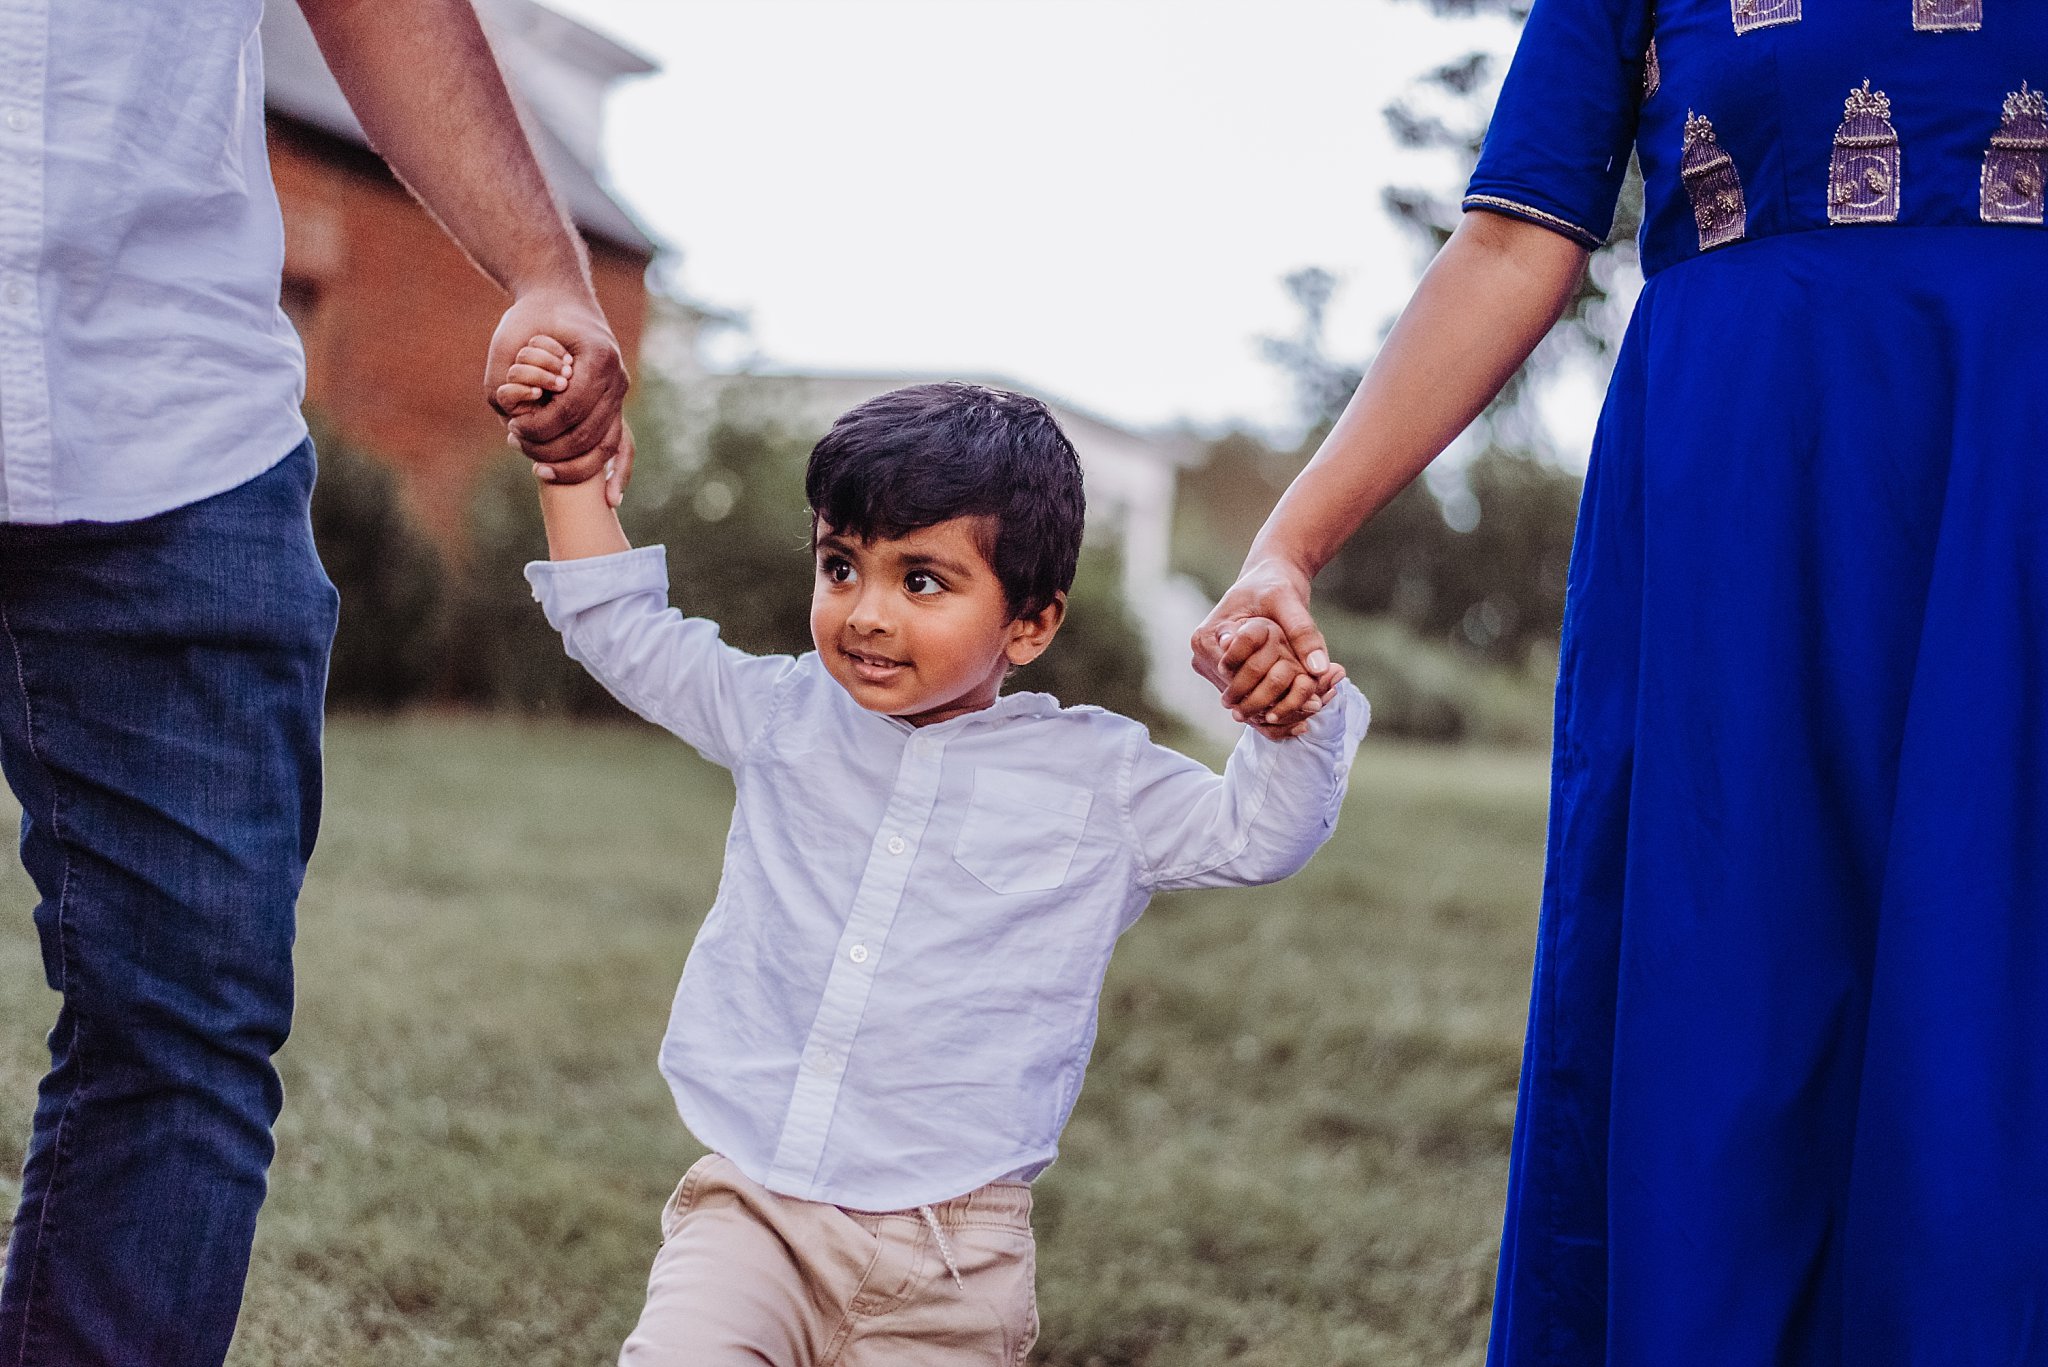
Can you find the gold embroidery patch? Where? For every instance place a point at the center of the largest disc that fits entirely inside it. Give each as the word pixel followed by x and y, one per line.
pixel 1653 74
pixel 1713 185
pixel 1933 16
pixel 1751 14
pixel 1863 173
pixel 2014 162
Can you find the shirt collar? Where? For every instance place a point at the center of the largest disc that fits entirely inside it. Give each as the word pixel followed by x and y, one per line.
pixel 1006 707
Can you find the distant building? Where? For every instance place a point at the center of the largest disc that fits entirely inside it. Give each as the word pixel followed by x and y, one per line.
pixel 395 319
pixel 1130 478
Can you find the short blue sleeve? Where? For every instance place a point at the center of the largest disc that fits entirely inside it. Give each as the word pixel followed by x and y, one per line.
pixel 1558 145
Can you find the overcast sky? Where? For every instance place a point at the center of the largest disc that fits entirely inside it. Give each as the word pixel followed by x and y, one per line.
pixel 1095 198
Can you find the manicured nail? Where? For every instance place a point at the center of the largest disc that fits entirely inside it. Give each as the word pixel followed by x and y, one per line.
pixel 545 472
pixel 1317 662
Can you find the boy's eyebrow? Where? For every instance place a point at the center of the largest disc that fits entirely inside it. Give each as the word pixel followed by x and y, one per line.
pixel 926 560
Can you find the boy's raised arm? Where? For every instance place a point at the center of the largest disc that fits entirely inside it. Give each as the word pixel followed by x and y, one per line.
pixel 614 614
pixel 580 519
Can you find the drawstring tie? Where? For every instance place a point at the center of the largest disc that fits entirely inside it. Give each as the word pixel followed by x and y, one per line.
pixel 945 1246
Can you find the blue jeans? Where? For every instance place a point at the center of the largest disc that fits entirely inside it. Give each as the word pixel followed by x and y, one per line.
pixel 160 700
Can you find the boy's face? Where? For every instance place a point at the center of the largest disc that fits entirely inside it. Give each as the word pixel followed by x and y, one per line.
pixel 916 626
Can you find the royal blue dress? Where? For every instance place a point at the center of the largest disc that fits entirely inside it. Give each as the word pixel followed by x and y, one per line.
pixel 1785 1094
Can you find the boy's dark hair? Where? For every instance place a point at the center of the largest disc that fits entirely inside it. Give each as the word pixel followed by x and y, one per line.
pixel 915 457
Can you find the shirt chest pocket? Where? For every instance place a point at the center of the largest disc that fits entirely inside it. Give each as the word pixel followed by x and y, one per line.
pixel 1021 830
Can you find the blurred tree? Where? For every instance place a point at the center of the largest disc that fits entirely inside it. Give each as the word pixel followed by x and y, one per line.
pixel 1477 554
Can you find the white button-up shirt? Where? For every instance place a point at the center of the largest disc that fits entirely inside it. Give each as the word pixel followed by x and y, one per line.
pixel 893 998
pixel 144 362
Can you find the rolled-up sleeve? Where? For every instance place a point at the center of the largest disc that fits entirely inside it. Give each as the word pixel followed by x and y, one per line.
pixel 615 620
pixel 1260 820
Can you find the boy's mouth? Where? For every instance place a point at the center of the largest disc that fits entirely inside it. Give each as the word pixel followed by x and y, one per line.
pixel 873 668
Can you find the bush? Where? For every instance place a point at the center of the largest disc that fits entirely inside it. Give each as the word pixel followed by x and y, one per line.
pixel 502 654
pixel 392 636
pixel 1425 690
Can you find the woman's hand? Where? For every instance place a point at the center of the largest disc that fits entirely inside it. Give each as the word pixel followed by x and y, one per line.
pixel 1482 307
pixel 1266 681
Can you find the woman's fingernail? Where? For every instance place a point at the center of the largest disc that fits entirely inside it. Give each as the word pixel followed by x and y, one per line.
pixel 1317 662
pixel 545 472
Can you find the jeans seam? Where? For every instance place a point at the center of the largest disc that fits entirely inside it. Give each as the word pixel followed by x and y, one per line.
pixel 39 1243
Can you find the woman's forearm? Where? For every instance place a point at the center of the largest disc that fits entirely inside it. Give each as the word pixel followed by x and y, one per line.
pixel 1485 302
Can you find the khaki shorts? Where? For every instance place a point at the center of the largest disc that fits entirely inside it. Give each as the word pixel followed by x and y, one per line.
pixel 747 1277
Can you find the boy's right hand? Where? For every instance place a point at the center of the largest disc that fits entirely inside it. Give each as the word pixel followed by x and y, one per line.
pixel 1267 687
pixel 542 369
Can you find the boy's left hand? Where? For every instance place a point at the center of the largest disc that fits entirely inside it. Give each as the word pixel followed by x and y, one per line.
pixel 542 369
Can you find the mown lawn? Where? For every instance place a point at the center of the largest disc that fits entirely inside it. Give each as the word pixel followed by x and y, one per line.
pixel 1290 1152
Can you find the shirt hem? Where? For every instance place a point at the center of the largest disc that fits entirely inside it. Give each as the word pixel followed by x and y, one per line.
pixel 232 476
pixel 1499 204
pixel 868 1201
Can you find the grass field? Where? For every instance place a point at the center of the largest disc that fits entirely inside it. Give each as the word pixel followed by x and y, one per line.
pixel 1290 1151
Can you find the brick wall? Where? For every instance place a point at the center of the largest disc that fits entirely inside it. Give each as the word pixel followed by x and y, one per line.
pixel 395 319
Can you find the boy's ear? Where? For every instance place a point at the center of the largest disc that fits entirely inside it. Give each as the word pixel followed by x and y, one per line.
pixel 1029 636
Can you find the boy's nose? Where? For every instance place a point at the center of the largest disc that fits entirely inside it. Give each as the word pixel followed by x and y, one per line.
pixel 869 616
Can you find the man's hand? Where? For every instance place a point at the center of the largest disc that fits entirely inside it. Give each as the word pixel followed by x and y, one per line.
pixel 581 431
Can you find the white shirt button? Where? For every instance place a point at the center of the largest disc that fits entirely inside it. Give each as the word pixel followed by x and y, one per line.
pixel 18 120
pixel 921 748
pixel 17 293
pixel 896 845
pixel 859 954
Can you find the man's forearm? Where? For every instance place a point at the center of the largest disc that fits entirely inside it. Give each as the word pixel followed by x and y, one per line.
pixel 423 82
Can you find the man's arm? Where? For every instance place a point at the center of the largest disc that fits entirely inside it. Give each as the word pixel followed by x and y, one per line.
pixel 421 79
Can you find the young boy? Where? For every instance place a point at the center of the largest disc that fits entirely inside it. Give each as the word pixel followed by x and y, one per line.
pixel 882 1026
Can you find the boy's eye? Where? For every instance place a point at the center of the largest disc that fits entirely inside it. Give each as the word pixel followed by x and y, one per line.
pixel 837 569
pixel 920 582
